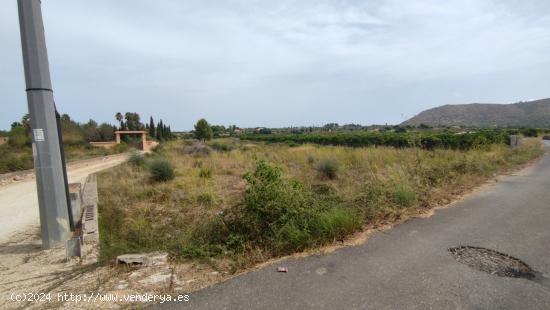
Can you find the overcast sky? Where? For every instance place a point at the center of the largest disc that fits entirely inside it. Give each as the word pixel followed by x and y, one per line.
pixel 280 63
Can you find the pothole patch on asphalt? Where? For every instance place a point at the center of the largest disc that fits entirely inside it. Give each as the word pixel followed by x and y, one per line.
pixel 492 262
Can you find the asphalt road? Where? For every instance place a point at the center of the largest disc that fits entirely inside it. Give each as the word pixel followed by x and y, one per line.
pixel 409 266
pixel 19 200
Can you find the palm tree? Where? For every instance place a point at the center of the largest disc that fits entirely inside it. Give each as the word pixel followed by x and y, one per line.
pixel 119 118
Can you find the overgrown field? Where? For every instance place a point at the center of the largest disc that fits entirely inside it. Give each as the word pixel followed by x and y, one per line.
pixel 426 140
pixel 245 203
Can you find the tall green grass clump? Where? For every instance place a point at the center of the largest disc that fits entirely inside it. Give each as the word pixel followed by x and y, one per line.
pixel 161 170
pixel 205 173
pixel 404 196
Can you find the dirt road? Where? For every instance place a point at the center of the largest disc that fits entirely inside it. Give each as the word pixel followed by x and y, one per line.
pixel 19 201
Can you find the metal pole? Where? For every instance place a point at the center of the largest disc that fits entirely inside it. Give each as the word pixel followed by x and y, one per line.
pixel 52 196
pixel 72 223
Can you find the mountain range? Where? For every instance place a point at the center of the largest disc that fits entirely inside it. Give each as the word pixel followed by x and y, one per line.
pixel 535 113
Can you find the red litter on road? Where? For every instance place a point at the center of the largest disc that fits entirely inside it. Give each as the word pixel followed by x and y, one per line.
pixel 282 269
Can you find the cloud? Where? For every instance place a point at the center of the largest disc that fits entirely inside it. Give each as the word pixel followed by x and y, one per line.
pixel 286 62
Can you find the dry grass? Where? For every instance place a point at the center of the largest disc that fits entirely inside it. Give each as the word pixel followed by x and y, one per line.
pixel 374 184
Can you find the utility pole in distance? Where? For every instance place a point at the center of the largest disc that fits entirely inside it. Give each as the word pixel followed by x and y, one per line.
pixel 48 166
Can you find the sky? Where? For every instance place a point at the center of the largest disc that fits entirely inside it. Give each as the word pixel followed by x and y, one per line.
pixel 280 63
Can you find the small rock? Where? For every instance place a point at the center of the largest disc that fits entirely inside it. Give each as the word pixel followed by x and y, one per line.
pixel 142 260
pixel 121 286
pixel 321 271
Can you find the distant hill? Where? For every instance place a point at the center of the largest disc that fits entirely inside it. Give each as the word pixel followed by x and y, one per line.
pixel 522 114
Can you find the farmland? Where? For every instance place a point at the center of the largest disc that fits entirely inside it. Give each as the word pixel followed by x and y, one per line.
pixel 425 140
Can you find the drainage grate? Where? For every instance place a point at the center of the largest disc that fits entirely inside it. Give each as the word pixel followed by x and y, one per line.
pixel 492 262
pixel 89 214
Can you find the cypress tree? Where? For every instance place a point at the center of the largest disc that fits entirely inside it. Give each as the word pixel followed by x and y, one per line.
pixel 151 127
pixel 159 131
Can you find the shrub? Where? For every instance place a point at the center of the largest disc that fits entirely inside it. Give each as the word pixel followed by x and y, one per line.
pixel 161 170
pixel 283 216
pixel 136 159
pixel 197 149
pixel 530 132
pixel 291 143
pixel 328 168
pixel 120 148
pixel 15 163
pixel 19 137
pixel 159 149
pixel 222 147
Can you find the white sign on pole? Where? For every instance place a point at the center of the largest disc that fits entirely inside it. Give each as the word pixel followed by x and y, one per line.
pixel 38 134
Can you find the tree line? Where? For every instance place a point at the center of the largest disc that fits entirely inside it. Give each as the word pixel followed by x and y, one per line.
pixel 131 121
pixel 75 133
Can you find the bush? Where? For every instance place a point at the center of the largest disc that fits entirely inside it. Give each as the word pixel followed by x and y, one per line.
pixel 530 132
pixel 283 216
pixel 161 170
pixel 159 149
pixel 197 149
pixel 19 138
pixel 15 163
pixel 291 143
pixel 15 159
pixel 328 168
pixel 222 147
pixel 136 159
pixel 120 148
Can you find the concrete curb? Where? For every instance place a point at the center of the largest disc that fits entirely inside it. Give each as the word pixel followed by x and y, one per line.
pixel 86 239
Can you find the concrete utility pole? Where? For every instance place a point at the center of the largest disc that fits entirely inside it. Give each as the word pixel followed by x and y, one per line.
pixel 48 166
